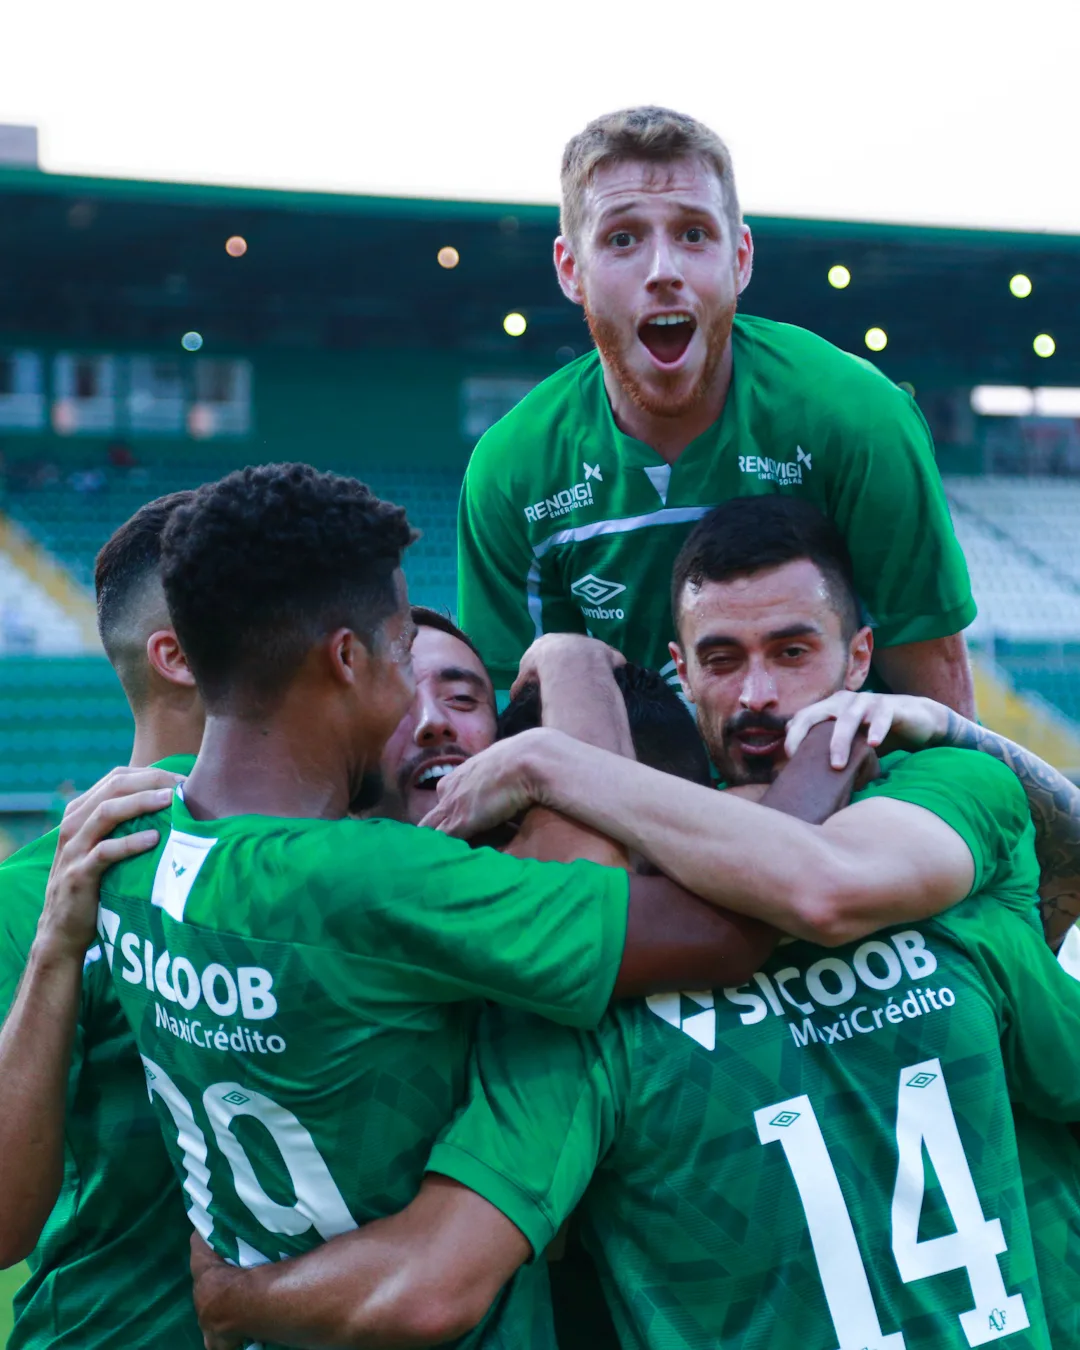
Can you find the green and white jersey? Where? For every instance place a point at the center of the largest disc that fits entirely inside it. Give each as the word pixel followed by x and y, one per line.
pixel 110 1269
pixel 303 995
pixel 824 1157
pixel 568 525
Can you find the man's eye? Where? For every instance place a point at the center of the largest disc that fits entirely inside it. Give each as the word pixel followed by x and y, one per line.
pixel 793 653
pixel 463 702
pixel 696 235
pixel 621 239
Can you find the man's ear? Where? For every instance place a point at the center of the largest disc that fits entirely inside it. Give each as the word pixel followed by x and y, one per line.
pixel 566 269
pixel 680 669
pixel 860 655
pixel 347 656
pixel 744 258
pixel 167 659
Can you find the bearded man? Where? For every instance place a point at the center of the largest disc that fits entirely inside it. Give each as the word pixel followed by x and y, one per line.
pixel 576 503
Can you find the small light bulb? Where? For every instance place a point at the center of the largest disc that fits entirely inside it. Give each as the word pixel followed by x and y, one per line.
pixel 1044 345
pixel 191 342
pixel 236 246
pixel 515 324
pixel 876 339
pixel 448 256
pixel 1020 286
pixel 839 276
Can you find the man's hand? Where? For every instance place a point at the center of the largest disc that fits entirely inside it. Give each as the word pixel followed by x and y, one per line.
pixel 211 1274
pixel 557 651
pixel 492 787
pixel 910 721
pixel 68 923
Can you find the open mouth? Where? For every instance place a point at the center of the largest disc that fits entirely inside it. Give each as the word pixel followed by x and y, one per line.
pixel 667 336
pixel 758 744
pixel 427 780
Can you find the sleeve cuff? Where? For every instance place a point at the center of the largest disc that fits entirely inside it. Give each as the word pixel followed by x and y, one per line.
pixel 509 1199
pixel 924 627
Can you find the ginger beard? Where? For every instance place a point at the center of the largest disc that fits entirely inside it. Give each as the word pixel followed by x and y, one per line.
pixel 611 345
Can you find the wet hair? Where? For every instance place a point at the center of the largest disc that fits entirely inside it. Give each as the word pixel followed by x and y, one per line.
pixel 130 601
pixel 749 534
pixel 663 731
pixel 261 565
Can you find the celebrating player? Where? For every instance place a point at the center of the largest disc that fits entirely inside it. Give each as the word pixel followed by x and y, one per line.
pixel 759 1148
pixel 86 1188
pixel 575 504
pixel 318 974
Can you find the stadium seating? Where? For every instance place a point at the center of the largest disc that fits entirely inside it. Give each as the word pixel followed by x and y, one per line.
pixel 30 620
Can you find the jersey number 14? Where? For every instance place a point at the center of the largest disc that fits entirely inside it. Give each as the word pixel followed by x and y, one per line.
pixel 924 1119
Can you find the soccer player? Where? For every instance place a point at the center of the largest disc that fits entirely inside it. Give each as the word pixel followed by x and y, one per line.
pixel 576 503
pixel 302 985
pixel 87 1192
pixel 760 1151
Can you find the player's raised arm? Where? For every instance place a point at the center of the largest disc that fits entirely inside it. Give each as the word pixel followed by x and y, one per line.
pixel 40 1032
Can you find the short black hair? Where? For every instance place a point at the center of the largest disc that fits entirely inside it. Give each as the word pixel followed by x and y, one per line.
pixel 259 566
pixel 749 534
pixel 128 561
pixel 664 733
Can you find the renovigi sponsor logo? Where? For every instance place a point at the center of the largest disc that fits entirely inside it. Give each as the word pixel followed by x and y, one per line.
pixel 569 499
pixel 777 471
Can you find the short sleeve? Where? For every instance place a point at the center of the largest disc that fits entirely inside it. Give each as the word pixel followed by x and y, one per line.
pixel 448 922
pixel 1040 1032
pixel 23 878
pixel 544 1107
pixel 495 565
pixel 888 500
pixel 983 801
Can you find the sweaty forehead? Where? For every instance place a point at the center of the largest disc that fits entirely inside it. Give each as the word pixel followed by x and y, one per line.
pixel 751 606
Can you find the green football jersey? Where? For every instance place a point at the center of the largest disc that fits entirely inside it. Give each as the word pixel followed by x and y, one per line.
pixel 303 994
pixel 824 1157
pixel 110 1269
pixel 566 524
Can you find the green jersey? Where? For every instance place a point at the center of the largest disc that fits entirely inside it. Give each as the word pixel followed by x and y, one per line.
pixel 823 1157
pixel 303 995
pixel 568 525
pixel 110 1269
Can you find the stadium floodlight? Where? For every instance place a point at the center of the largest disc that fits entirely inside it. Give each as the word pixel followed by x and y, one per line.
pixel 515 324
pixel 236 246
pixel 1020 286
pixel 448 256
pixel 1057 401
pixel 839 276
pixel 191 342
pixel 1002 400
pixel 1044 345
pixel 876 339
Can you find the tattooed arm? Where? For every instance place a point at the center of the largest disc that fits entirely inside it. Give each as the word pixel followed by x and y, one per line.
pixel 916 722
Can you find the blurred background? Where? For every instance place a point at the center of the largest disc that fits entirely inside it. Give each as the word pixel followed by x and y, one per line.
pixel 235 234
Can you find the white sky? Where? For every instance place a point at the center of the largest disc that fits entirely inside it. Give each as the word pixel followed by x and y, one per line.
pixel 945 111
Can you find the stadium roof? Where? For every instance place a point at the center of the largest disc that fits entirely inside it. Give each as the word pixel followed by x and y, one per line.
pixel 109 261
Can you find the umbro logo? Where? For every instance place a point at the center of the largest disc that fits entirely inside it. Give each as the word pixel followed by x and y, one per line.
pixel 595 589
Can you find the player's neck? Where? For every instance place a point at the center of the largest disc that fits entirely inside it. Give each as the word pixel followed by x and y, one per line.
pixel 669 436
pixel 161 732
pixel 273 766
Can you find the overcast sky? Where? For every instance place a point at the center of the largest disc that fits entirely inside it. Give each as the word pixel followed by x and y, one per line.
pixel 949 111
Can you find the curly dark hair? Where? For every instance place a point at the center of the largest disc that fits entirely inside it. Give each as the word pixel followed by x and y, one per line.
pixel 259 566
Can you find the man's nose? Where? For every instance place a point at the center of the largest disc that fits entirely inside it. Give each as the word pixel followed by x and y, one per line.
pixel 664 271
pixel 759 690
pixel 433 724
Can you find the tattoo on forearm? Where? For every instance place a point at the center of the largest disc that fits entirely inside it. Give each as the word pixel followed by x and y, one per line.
pixel 1055 809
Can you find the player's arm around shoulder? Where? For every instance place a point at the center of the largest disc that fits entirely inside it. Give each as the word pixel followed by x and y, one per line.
pixel 937 827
